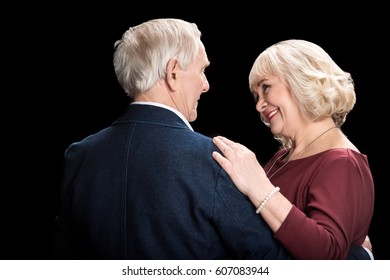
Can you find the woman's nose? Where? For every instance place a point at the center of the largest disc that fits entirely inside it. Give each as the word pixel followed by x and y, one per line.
pixel 261 105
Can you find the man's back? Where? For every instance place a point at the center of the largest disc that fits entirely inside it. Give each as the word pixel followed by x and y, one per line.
pixel 150 189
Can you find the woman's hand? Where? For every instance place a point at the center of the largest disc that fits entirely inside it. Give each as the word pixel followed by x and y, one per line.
pixel 242 166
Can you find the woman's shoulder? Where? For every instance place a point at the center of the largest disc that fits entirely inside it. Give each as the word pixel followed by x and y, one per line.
pixel 341 154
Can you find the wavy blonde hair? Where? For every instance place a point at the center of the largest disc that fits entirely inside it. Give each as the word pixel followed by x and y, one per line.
pixel 320 86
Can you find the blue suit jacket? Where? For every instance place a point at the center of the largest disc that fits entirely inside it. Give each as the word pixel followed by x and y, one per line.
pixel 147 187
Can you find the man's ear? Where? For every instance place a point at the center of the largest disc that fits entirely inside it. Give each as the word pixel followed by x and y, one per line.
pixel 172 70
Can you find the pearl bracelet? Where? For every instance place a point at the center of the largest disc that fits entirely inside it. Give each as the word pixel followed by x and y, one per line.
pixel 264 202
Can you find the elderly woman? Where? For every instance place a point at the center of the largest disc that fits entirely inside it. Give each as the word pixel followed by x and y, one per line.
pixel 317 191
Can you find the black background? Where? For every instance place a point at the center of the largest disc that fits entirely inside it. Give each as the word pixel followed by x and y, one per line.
pixel 65 89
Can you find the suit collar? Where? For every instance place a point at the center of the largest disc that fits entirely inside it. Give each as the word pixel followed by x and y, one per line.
pixel 153 112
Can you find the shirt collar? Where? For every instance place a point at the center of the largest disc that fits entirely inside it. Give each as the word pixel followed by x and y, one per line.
pixel 180 115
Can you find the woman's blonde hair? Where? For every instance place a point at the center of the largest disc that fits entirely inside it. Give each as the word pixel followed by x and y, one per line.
pixel 321 88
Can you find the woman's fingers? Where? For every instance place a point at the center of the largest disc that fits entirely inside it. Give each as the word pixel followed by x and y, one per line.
pixel 229 148
pixel 223 162
pixel 223 144
pixel 224 159
pixel 225 140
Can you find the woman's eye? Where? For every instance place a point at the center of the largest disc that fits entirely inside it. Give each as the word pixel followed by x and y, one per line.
pixel 265 88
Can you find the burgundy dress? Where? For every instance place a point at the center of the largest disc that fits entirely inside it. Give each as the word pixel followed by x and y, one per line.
pixel 333 197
